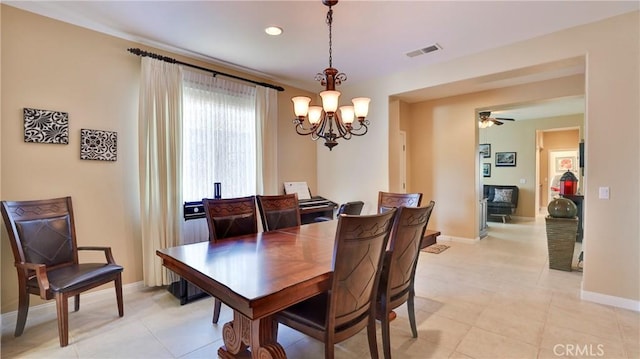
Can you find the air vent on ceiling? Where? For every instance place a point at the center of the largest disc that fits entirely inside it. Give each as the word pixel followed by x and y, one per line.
pixel 425 50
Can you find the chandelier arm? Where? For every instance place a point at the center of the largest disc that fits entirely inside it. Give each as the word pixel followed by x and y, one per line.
pixel 301 130
pixel 342 129
pixel 366 129
pixel 321 129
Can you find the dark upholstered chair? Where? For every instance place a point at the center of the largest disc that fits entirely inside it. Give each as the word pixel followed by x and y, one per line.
pixel 399 267
pixel 502 201
pixel 279 211
pixel 43 240
pixel 353 208
pixel 388 200
pixel 227 218
pixel 349 305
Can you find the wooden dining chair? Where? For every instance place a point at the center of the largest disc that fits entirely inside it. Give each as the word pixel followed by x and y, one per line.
pixel 43 240
pixel 399 268
pixel 349 305
pixel 388 200
pixel 279 211
pixel 229 217
pixel 353 208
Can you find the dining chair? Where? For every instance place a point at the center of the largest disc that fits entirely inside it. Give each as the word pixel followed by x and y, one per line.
pixel 349 304
pixel 279 211
pixel 43 240
pixel 388 200
pixel 399 268
pixel 353 208
pixel 226 218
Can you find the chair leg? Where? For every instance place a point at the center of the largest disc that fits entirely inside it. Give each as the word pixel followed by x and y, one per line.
pixel 371 335
pixel 386 336
pixel 118 285
pixel 329 349
pixel 217 305
pixel 76 303
pixel 23 310
pixel 62 307
pixel 412 314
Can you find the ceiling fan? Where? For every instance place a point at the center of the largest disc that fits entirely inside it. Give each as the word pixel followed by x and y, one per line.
pixel 487 121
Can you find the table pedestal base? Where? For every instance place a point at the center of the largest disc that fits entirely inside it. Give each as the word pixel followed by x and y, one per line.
pixel 260 335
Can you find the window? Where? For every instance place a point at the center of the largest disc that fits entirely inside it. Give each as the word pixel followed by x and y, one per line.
pixel 219 137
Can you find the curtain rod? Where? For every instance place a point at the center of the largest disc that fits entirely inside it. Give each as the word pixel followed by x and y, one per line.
pixel 143 53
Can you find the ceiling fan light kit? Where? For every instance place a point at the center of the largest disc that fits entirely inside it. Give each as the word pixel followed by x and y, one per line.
pixel 485 120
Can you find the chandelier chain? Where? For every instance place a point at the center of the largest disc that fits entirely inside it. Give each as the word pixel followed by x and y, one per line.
pixel 330 22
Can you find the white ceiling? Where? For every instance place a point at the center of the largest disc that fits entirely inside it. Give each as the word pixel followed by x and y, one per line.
pixel 370 38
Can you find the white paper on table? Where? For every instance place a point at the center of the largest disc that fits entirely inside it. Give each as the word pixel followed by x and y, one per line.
pixel 301 188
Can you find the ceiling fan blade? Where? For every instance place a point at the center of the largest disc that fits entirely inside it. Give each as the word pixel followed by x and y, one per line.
pixel 497 122
pixel 505 119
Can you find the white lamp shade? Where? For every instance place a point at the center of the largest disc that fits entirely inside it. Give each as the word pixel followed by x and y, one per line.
pixel 346 114
pixel 315 114
pixel 301 105
pixel 361 106
pixel 330 100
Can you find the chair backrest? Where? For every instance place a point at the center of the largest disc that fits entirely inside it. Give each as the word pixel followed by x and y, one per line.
pixel 42 231
pixel 230 217
pixel 387 200
pixel 404 248
pixel 357 259
pixel 352 208
pixel 279 211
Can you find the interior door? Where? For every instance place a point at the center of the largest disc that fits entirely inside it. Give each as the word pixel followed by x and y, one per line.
pixel 403 161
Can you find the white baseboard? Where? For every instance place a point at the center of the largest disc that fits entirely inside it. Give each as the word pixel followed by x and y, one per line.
pixel 623 303
pixel 88 297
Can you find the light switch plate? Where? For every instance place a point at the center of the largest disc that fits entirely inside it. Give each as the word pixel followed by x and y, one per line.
pixel 603 193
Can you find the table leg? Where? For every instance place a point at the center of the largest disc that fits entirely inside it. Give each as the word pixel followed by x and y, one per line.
pixel 260 335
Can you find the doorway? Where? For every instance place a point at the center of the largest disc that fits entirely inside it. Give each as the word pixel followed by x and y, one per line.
pixel 558 152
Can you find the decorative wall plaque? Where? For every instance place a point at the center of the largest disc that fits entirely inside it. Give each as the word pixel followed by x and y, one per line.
pixel 45 126
pixel 98 145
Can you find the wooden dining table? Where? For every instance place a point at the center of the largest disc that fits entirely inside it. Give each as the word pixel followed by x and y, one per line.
pixel 258 275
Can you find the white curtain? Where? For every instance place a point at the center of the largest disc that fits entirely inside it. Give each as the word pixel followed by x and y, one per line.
pixel 160 146
pixel 219 137
pixel 195 130
pixel 267 122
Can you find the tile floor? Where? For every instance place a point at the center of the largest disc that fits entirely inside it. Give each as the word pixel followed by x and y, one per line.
pixel 495 298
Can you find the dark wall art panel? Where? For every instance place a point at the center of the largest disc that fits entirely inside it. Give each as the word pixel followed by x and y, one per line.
pixel 98 145
pixel 45 126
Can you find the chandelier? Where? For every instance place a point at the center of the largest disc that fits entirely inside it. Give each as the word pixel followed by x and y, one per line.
pixel 324 121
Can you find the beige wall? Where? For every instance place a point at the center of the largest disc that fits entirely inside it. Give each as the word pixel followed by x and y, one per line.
pixel 611 52
pixel 47 64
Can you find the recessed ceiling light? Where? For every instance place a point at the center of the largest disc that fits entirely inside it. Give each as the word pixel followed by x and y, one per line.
pixel 273 30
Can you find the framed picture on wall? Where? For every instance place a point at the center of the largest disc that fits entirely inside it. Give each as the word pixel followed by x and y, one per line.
pixel 505 159
pixel 565 163
pixel 485 150
pixel 486 170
